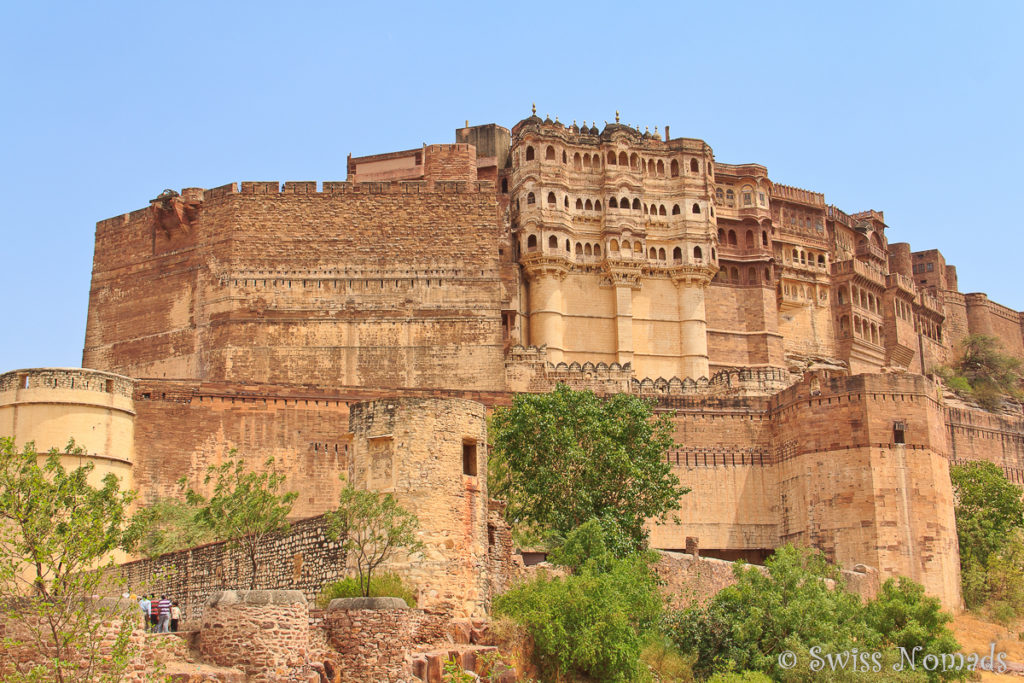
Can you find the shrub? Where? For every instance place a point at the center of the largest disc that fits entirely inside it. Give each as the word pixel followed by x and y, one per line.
pixel 387 585
pixel 595 622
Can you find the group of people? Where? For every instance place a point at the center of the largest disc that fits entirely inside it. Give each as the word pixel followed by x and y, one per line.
pixel 160 616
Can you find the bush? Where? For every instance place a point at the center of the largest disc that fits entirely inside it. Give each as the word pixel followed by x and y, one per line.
pixel 595 622
pixel 385 585
pixel 794 607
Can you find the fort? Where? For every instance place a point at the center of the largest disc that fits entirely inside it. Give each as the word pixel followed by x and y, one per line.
pixel 364 328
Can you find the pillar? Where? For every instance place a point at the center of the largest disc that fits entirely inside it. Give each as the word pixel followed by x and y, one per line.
pixel 547 323
pixel 693 327
pixel 623 323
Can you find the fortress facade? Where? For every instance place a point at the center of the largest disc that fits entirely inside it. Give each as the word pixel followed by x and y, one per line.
pixel 792 339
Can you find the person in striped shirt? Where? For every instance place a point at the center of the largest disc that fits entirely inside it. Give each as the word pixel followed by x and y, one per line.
pixel 164 611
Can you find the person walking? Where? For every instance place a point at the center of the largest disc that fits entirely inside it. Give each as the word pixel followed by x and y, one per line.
pixel 164 612
pixel 144 606
pixel 175 616
pixel 154 613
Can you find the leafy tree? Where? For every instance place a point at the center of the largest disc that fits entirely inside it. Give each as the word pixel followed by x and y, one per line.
pixel 385 585
pixel 373 527
pixel 799 603
pixel 245 508
pixel 566 457
pixel 56 533
pixel 989 524
pixel 594 622
pixel 984 372
pixel 166 526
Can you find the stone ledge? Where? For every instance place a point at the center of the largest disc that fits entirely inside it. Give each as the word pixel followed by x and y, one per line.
pixel 367 603
pixel 266 597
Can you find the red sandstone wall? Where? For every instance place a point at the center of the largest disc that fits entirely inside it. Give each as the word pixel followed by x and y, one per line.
pixel 743 327
pixel 376 284
pixel 988 317
pixel 978 435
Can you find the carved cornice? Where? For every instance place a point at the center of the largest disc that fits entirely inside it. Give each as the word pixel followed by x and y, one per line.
pixel 619 273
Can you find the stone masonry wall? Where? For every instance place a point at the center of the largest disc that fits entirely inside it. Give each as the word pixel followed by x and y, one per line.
pixel 266 633
pixel 304 559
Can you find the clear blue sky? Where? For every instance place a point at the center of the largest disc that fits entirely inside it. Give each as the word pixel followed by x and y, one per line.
pixel 914 109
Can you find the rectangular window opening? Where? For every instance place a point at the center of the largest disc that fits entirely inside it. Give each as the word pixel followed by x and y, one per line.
pixel 469 458
pixel 899 432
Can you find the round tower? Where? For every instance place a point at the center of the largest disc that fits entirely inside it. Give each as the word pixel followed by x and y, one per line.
pixel 50 406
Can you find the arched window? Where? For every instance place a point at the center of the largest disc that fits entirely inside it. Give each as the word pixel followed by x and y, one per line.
pixel 677 254
pixel 529 153
pixel 647 209
pixel 623 160
pixel 694 166
pixel 589 206
pixel 796 256
pixel 675 209
pixel 568 247
pixel 719 195
pixel 841 298
pixel 549 155
pixel 767 275
pixel 613 203
pixel 614 246
pixel 579 249
pixel 661 210
pixel 751 276
pixel 586 161
pixel 748 195
pixel 697 253
pixel 531 243
pixel 764 238
pixel 627 249
pixel 587 250
pixel 674 168
pixel 821 260
pixel 695 208
pixel 530 199
pixel 634 161
pixel 597 162
pixel 597 205
pixel 597 250
pixel 636 204
pixel 551 197
pixel 734 274
pixel 638 248
pixel 661 254
pixel 504 185
pixel 661 168
pixel 721 235
pixel 750 239
pixel 730 198
pixel 624 203
pixel 577 161
pixel 563 156
pixel 553 242
pixel 732 238
pixel 650 167
pixel 652 254
pixel 579 204
pixel 844 325
pixel 713 254
pixel 611 158
pixel 565 201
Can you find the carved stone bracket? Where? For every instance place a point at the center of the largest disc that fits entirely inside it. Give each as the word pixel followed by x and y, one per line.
pixel 689 275
pixel 621 275
pixel 539 265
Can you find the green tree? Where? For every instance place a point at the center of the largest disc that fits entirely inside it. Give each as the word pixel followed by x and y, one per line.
pixel 245 507
pixel 562 458
pixel 989 522
pixel 166 526
pixel 984 372
pixel 798 603
pixel 373 527
pixel 56 535
pixel 595 622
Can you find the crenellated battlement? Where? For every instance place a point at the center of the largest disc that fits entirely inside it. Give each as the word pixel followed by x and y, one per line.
pixel 798 195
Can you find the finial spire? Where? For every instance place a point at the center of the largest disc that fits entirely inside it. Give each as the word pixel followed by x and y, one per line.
pixel 646 129
pixel 534 109
pixel 616 116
